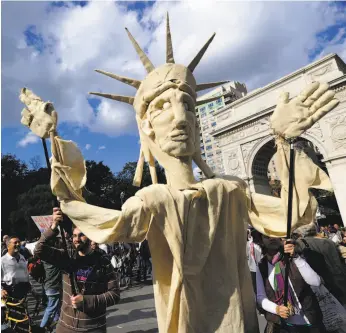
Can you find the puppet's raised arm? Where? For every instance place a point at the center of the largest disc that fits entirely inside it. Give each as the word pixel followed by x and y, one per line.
pixel 69 177
pixel 290 119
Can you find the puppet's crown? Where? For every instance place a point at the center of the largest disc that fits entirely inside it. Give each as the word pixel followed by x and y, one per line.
pixel 150 68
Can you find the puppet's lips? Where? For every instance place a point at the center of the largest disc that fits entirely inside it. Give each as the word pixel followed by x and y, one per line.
pixel 179 135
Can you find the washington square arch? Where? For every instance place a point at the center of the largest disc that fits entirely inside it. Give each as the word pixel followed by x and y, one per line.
pixel 245 138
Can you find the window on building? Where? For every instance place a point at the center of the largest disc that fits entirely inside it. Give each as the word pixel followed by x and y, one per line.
pixel 205 127
pixel 209 147
pixel 202 109
pixel 210 105
pixel 208 140
pixel 213 124
pixel 203 115
pixel 218 152
pixel 210 154
pixel 219 101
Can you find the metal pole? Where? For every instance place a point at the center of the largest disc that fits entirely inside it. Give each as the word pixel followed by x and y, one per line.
pixel 289 217
pixel 62 232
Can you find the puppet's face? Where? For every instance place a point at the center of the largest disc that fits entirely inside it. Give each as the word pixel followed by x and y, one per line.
pixel 173 121
pixel 166 104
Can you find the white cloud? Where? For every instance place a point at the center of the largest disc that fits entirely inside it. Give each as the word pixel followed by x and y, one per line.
pixel 87 146
pixel 28 139
pixel 102 147
pixel 256 43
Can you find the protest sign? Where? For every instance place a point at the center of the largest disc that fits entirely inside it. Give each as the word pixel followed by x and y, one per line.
pixel 43 222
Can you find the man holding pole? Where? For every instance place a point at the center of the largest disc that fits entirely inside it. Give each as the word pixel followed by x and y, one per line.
pixel 195 230
pixel 96 283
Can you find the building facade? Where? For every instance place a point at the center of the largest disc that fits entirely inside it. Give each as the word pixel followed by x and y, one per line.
pixel 210 148
pixel 244 136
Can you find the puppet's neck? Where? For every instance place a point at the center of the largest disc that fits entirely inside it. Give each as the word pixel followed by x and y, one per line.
pixel 181 176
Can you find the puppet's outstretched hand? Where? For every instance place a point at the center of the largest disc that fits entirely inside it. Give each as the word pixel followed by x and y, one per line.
pixel 293 117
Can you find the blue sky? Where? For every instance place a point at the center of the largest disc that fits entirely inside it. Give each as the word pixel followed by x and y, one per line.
pixel 53 48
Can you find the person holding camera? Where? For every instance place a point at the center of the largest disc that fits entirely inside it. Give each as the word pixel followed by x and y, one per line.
pixel 302 313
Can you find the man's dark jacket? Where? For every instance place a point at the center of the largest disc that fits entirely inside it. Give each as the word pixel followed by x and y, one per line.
pixel 324 258
pixel 53 278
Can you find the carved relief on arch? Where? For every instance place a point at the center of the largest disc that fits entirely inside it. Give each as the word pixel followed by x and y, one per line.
pixel 246 149
pixel 250 128
pixel 233 162
pixel 316 132
pixel 337 125
pixel 319 72
pixel 340 93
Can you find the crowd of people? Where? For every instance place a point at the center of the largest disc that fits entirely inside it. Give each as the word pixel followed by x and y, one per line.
pixel 84 276
pixel 316 299
pixel 87 276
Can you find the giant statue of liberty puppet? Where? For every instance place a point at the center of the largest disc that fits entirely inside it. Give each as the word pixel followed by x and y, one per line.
pixel 196 230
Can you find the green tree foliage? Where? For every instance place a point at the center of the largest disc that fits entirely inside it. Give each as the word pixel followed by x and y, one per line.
pixel 26 191
pixel 124 179
pixel 13 173
pixel 100 185
pixel 16 179
pixel 36 201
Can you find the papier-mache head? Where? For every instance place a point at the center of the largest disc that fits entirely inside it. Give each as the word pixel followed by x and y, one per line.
pixel 165 110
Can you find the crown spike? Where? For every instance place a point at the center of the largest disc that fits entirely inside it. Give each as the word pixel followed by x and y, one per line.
pixel 200 54
pixel 126 80
pixel 124 99
pixel 203 86
pixel 145 60
pixel 169 46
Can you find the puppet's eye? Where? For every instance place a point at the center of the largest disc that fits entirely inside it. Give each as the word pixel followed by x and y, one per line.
pixel 166 105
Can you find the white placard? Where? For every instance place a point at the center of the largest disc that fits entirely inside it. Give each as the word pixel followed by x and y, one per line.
pixel 43 222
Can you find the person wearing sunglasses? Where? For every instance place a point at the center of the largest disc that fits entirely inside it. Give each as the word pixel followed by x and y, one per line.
pixel 93 278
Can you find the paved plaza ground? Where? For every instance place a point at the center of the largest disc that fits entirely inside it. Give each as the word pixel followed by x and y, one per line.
pixel 135 313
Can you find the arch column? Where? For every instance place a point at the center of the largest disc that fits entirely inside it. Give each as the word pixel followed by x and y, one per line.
pixel 337 173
